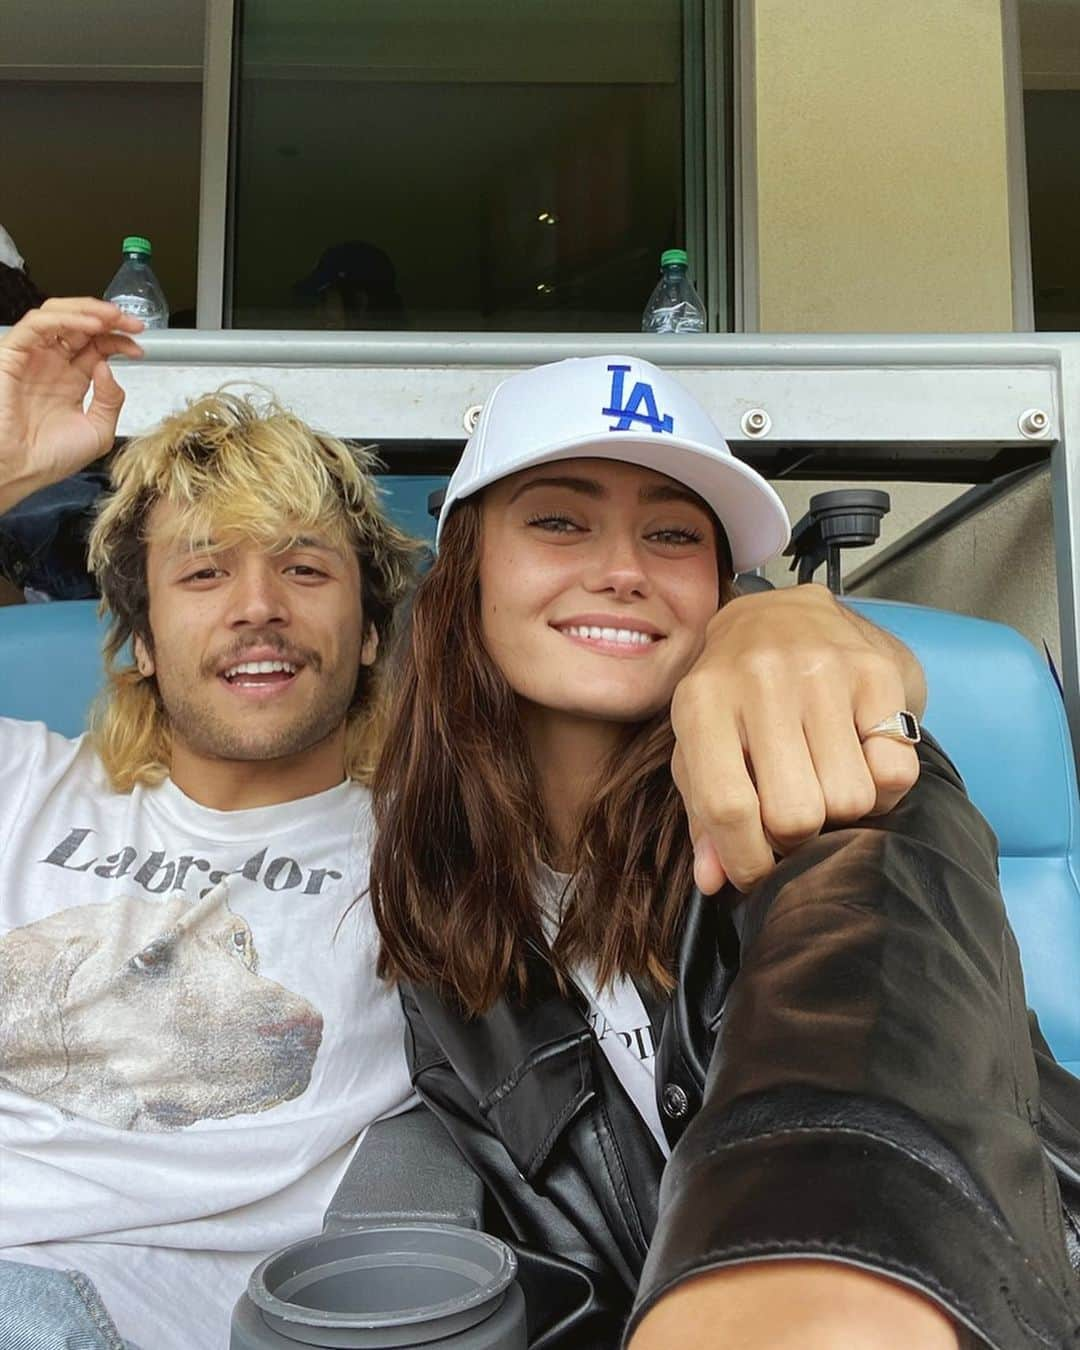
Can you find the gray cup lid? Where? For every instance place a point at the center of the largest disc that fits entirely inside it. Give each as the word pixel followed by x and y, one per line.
pixel 409 1284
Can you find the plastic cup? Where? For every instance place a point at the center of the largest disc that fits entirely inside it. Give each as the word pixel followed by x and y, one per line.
pixel 382 1286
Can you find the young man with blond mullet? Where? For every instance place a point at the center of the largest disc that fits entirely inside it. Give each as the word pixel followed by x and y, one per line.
pixel 189 1042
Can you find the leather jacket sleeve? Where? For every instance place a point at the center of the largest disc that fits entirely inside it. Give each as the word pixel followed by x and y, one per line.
pixel 873 1095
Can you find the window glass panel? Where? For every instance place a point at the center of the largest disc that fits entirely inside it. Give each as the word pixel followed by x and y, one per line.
pixel 101 124
pixel 1050 57
pixel 491 164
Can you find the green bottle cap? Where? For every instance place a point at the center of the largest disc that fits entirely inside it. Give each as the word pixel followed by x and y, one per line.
pixel 673 255
pixel 135 243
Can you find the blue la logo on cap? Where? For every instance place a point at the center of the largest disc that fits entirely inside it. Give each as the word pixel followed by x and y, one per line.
pixel 641 396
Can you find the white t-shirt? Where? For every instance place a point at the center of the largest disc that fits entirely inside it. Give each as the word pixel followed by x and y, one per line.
pixel 189 1042
pixel 616 1014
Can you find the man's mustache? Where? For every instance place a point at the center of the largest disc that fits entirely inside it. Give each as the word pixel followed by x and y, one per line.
pixel 285 651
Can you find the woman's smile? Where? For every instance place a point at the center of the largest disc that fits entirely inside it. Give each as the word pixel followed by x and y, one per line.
pixel 610 634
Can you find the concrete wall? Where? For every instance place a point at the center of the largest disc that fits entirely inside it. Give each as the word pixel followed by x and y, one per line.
pixel 881 175
pixel 1000 565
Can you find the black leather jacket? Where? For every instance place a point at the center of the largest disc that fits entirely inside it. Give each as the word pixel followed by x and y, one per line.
pixel 854 1076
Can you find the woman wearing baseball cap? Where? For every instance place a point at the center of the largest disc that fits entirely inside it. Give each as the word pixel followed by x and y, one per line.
pixel 815 1097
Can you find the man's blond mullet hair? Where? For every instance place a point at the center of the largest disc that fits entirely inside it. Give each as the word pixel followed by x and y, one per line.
pixel 235 470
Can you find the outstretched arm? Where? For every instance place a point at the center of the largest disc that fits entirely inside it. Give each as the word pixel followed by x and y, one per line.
pixel 872 1100
pixel 48 361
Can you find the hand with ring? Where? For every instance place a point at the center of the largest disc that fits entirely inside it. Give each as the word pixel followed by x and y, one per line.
pixel 787 724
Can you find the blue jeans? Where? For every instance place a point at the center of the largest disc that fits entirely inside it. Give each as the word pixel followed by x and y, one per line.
pixel 44 1309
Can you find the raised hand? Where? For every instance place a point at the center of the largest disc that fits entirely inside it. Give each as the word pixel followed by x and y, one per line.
pixel 48 361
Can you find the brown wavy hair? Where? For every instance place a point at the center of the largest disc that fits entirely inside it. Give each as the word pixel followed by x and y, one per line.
pixel 247 470
pixel 461 826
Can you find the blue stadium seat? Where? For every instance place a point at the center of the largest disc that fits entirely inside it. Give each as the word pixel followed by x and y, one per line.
pixel 406 498
pixel 50 662
pixel 993 705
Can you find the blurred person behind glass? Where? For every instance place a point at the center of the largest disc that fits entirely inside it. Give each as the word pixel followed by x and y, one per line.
pixel 18 292
pixel 353 285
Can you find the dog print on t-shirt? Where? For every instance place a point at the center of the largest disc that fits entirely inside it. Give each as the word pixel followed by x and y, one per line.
pixel 150 1015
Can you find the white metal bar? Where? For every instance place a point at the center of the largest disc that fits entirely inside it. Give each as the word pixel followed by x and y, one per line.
pixel 849 406
pixel 776 352
pixel 1065 496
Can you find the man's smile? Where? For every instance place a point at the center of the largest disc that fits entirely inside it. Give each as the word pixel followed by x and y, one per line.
pixel 261 673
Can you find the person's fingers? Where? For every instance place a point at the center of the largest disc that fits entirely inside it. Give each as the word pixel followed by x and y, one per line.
pixel 109 315
pixel 893 764
pixel 729 814
pixel 847 785
pixel 792 804
pixel 894 767
pixel 71 342
pixel 108 344
pixel 40 329
pixel 715 784
pixel 104 409
pixel 709 874
pixel 119 344
pixel 52 324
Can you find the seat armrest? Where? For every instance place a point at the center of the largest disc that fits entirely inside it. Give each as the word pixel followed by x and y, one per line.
pixel 407 1169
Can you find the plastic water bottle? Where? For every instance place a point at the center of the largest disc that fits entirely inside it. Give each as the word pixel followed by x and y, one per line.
pixel 674 306
pixel 135 289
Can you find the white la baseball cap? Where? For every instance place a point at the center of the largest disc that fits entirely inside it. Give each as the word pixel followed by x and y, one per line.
pixel 619 407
